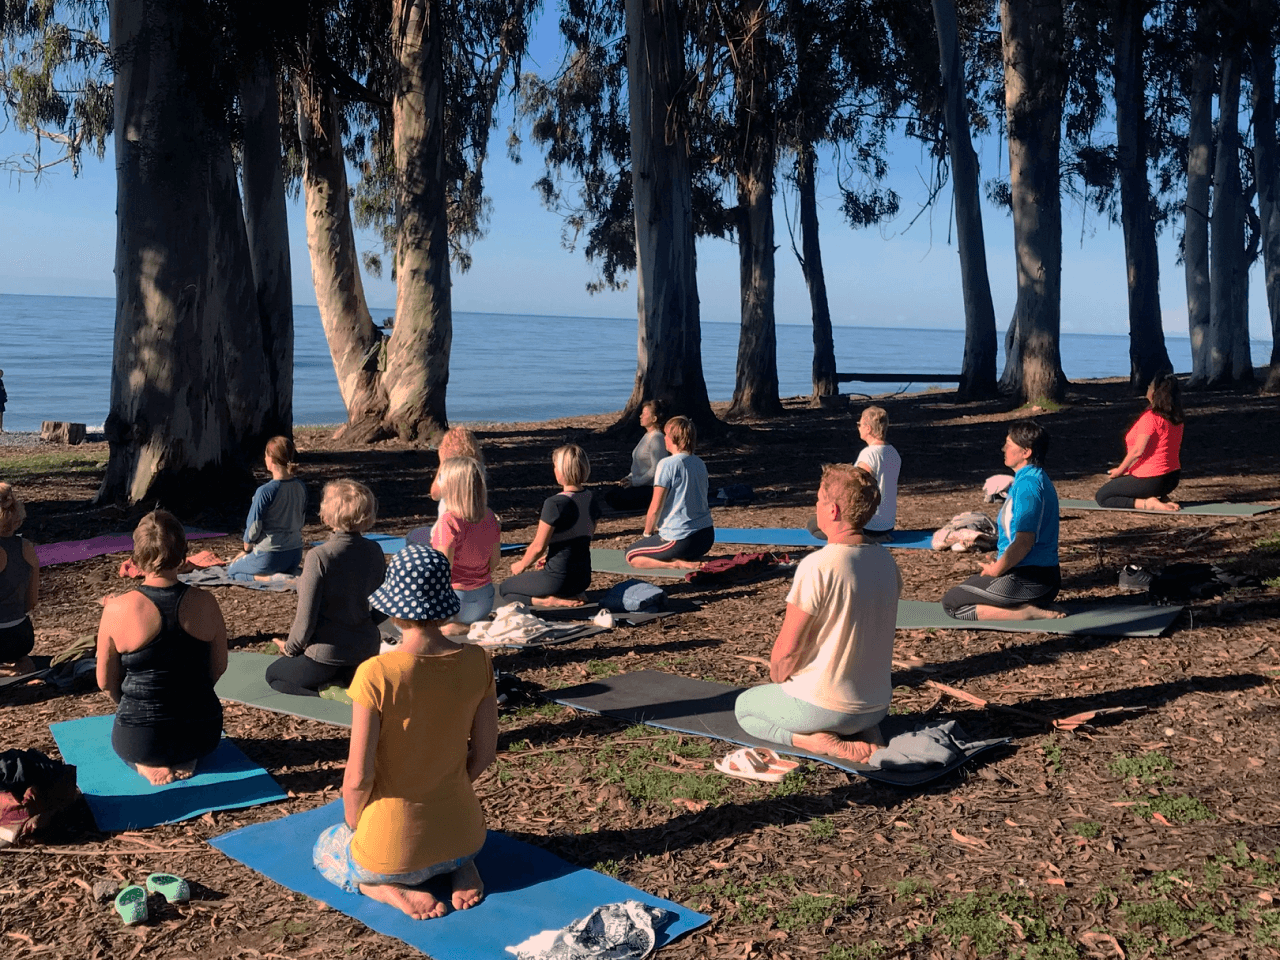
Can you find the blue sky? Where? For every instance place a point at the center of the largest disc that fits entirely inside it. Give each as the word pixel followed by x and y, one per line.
pixel 59 236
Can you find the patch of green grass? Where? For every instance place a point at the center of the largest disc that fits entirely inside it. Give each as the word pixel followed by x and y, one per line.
pixel 602 668
pixel 1106 897
pixel 282 928
pixel 1269 543
pixel 1044 403
pixel 1052 753
pixel 515 746
pixel 645 783
pixel 544 710
pixel 822 829
pixel 912 887
pixel 807 910
pixel 610 867
pixel 1165 882
pixel 1173 920
pixel 991 920
pixel 1149 767
pixel 61 461
pixel 1267 929
pixel 797 781
pixel 1212 876
pixel 1176 808
pixel 741 896
pixel 1272 582
pixel 1089 829
pixel 871 950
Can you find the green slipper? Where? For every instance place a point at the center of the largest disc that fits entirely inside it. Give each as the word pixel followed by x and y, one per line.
pixel 131 904
pixel 174 889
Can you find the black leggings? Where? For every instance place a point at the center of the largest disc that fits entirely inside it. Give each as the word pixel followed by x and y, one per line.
pixel 1020 586
pixel 627 499
pixel 303 677
pixel 17 641
pixel 1122 491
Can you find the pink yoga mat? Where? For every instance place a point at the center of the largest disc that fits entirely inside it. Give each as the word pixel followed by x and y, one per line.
pixel 73 550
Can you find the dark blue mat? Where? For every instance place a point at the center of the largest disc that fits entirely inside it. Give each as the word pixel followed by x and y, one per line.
pixel 797 537
pixel 120 799
pixel 527 890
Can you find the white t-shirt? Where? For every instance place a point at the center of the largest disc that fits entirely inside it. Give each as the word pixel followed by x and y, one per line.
pixel 852 592
pixel 883 463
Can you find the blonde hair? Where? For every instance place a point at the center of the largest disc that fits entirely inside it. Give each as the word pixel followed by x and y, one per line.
pixel 463 488
pixel 12 512
pixel 348 506
pixel 682 433
pixel 853 490
pixel 459 442
pixel 282 451
pixel 876 420
pixel 159 542
pixel 571 460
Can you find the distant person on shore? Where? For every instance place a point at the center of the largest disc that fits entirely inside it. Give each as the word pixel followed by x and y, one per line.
pixel 1152 467
pixel 273 530
pixel 19 588
pixel 424 726
pixel 678 530
pixel 831 663
pixel 635 491
pixel 563 538
pixel 470 538
pixel 881 460
pixel 1025 577
pixel 4 398
pixel 333 630
pixel 161 648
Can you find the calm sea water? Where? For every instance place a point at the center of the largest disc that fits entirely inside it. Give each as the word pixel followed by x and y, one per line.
pixel 56 356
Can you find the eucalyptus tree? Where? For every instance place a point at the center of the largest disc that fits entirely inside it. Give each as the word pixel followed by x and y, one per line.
pixel 1264 19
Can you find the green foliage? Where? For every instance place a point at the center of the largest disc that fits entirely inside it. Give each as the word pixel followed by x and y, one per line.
pixel 797 781
pixel 742 896
pixel 1176 808
pixel 822 829
pixel 1148 767
pixel 807 910
pixel 515 746
pixel 543 710
pixel 1171 919
pixel 1089 829
pixel 913 887
pixel 1052 753
pixel 1268 544
pixel 992 921
pixel 871 950
pixel 610 867
pixel 602 668
pixel 17 468
pixel 645 782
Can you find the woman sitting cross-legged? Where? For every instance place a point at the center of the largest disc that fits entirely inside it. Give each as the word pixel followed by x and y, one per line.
pixel 161 648
pixel 333 630
pixel 1025 577
pixel 470 537
pixel 1151 468
pixel 19 588
pixel 678 530
pixel 831 663
pixel 424 727
pixel 273 529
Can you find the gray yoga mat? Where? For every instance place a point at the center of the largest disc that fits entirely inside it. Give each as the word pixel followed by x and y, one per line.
pixel 217 577
pixel 604 560
pixel 701 707
pixel 246 682
pixel 1097 618
pixel 1194 509
pixel 797 537
pixel 40 672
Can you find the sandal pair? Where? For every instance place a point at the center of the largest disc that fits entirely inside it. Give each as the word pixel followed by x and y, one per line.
pixel 131 902
pixel 756 763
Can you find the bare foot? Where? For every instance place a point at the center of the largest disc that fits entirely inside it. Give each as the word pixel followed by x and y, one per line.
pixel 831 745
pixel 468 888
pixel 156 776
pixel 417 903
pixel 986 611
pixel 579 601
pixel 1044 613
pixel 184 771
pixel 19 668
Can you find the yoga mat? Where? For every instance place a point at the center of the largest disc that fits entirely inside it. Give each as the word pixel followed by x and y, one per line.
pixel 246 682
pixel 217 577
pixel 120 799
pixel 42 668
pixel 1195 509
pixel 527 890
pixel 1094 618
pixel 70 551
pixel 796 537
pixel 604 560
pixel 704 708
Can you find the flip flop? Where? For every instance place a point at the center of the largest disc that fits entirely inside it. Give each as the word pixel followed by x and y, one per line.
pixel 131 904
pixel 749 764
pixel 775 762
pixel 174 889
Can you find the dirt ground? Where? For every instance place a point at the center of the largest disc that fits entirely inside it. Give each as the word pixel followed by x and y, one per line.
pixel 1155 834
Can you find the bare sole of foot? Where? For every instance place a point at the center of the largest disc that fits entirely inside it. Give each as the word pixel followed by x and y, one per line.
pixel 1155 503
pixel 184 771
pixel 418 904
pixel 831 745
pixel 19 668
pixel 579 601
pixel 1025 612
pixel 468 888
pixel 156 776
pixel 1044 613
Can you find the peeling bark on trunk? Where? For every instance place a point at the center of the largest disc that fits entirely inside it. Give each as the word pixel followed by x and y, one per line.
pixel 669 339
pixel 1032 41
pixel 824 348
pixel 417 372
pixel 1266 165
pixel 1196 213
pixel 1147 354
pixel 1228 271
pixel 978 369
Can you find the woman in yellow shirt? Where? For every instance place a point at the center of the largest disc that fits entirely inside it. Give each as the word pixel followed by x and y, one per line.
pixel 424 727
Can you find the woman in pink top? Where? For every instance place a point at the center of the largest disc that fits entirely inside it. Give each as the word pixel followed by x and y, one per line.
pixel 1151 469
pixel 470 537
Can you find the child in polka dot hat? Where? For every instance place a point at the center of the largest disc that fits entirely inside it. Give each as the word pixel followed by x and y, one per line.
pixel 417 586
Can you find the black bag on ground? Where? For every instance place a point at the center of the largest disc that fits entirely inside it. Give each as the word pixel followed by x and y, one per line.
pixel 1185 582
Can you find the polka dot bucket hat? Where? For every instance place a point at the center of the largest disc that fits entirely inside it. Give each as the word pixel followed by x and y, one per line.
pixel 417 586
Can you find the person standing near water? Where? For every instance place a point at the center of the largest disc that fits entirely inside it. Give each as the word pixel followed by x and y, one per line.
pixel 3 397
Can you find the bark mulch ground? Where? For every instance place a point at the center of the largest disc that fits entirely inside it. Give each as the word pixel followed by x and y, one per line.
pixel 1152 833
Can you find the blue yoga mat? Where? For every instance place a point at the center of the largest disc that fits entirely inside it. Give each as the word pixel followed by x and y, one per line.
pixel 796 537
pixel 391 545
pixel 120 799
pixel 527 890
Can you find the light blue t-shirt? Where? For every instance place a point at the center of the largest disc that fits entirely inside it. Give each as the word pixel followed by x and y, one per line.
pixel 1031 507
pixel 276 516
pixel 685 511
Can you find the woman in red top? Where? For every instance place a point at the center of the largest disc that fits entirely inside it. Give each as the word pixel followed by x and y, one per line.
pixel 1151 468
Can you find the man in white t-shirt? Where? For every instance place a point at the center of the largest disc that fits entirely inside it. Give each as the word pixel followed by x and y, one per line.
pixel 831 663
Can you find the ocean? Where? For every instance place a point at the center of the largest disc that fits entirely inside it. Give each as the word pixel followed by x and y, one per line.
pixel 56 356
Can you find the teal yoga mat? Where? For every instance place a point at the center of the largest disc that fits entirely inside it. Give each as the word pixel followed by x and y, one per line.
pixel 796 537
pixel 120 799
pixel 1194 509
pixel 246 682
pixel 604 560
pixel 1097 618
pixel 527 890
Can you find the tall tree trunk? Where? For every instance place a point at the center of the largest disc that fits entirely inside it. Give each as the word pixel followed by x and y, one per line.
pixel 355 343
pixel 1195 244
pixel 669 340
pixel 1266 167
pixel 1032 39
pixel 168 426
pixel 755 391
pixel 824 348
pixel 1147 354
pixel 267 223
pixel 417 374
pixel 978 369
pixel 1227 267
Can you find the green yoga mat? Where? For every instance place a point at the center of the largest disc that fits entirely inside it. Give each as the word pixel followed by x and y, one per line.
pixel 1195 509
pixel 604 560
pixel 1091 618
pixel 246 682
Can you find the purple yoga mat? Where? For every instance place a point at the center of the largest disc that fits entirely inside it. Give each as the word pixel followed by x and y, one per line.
pixel 73 550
